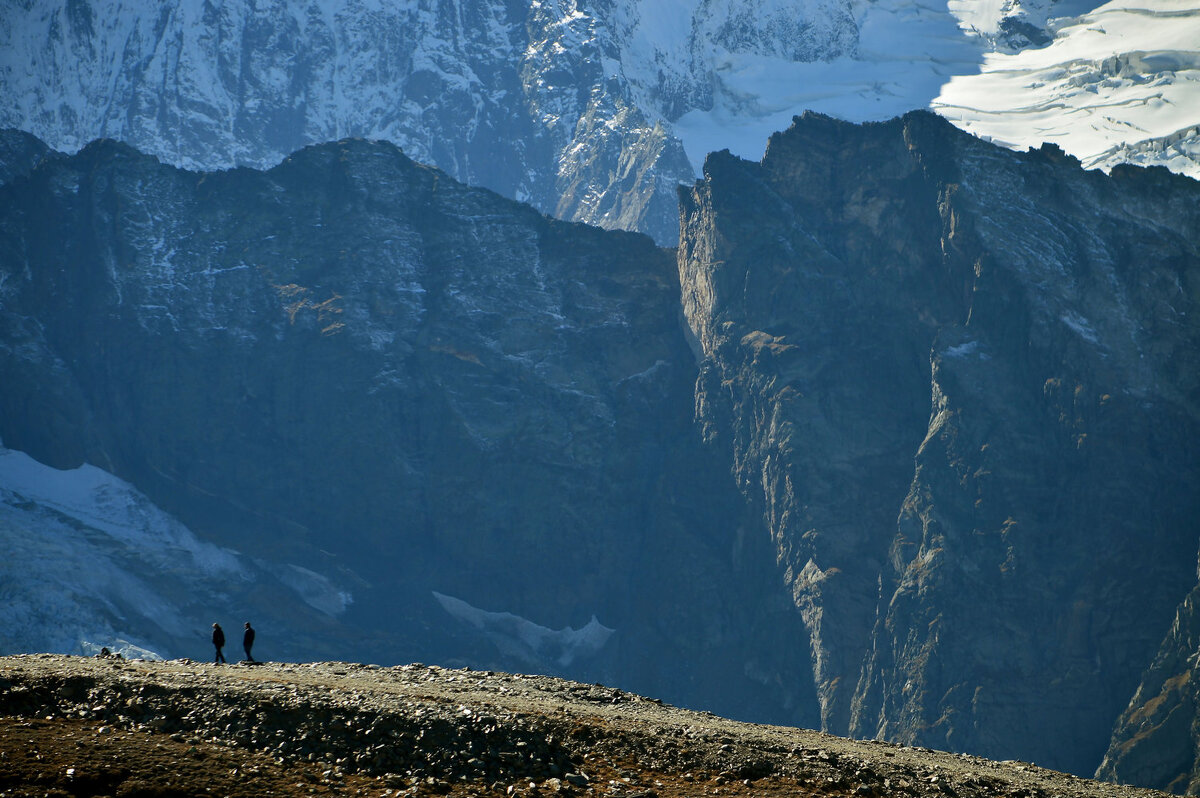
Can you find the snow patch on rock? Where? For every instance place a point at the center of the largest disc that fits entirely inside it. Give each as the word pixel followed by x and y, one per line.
pixel 521 638
pixel 91 562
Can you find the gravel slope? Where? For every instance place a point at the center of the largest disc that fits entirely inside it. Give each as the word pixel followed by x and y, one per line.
pixel 77 726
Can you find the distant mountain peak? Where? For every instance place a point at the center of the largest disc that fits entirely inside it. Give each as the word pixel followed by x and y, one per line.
pixel 593 114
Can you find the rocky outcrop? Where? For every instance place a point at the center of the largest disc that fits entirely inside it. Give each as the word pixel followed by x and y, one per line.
pixel 958 385
pixel 419 389
pixel 1156 741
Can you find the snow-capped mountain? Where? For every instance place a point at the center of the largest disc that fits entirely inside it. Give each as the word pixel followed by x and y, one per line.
pixel 512 97
pixel 591 111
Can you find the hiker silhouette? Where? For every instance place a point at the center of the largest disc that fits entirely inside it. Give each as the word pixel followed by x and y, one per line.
pixel 218 638
pixel 248 641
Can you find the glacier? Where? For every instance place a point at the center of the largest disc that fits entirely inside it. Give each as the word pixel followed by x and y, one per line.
pixel 91 562
pixel 1118 85
pixel 901 55
pixel 594 112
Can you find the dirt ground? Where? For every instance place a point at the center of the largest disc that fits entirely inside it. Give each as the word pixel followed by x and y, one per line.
pixel 72 726
pixel 66 758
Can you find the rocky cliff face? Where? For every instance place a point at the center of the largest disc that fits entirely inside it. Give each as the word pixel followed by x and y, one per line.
pixel 956 388
pixel 959 386
pixel 476 419
pixel 508 96
pixel 583 109
pixel 1156 741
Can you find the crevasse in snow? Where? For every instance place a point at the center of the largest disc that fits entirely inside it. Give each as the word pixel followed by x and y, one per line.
pixel 1119 84
pixel 242 83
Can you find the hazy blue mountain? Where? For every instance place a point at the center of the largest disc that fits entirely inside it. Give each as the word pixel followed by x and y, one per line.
pixel 385 415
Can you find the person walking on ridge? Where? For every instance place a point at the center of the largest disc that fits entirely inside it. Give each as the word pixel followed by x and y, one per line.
pixel 218 643
pixel 248 641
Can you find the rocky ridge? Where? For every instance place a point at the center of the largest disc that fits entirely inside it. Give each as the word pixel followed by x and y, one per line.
pixel 422 730
pixel 473 421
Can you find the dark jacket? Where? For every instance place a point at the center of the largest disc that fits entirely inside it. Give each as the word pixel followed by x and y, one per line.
pixel 218 637
pixel 248 638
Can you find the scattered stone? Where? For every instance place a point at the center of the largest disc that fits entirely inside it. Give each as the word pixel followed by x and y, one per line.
pixel 334 727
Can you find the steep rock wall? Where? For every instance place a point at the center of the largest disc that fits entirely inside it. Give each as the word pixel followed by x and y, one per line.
pixel 959 387
pixel 1156 741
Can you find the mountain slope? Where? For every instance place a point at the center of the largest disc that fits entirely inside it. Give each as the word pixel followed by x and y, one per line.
pixel 592 112
pixel 473 419
pixel 348 728
pixel 955 387
pixel 90 563
pixel 463 85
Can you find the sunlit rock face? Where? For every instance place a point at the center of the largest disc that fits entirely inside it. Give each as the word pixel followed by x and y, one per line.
pixel 1155 741
pixel 959 386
